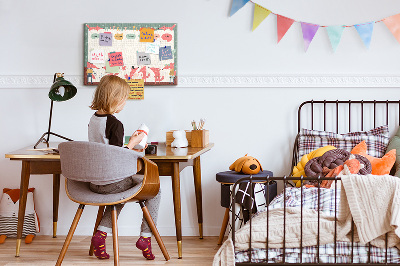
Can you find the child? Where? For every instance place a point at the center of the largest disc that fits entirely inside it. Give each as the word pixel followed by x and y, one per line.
pixel 110 98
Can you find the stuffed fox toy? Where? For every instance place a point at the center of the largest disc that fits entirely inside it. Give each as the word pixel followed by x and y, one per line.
pixel 9 205
pixel 246 165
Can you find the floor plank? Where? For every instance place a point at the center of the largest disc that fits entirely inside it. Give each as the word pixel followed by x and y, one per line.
pixel 44 250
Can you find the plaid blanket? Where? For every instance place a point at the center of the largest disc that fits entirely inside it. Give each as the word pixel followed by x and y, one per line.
pixel 326 252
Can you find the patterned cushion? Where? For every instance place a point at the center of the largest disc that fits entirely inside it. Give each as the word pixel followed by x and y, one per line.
pixel 377 139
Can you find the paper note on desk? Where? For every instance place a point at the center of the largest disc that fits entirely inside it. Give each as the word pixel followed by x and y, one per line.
pixel 49 150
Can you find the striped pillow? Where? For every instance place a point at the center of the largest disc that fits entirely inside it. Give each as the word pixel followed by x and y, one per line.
pixel 377 140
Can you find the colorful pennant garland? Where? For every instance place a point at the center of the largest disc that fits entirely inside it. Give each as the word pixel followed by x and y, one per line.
pixel 260 13
pixel 309 30
pixel 335 35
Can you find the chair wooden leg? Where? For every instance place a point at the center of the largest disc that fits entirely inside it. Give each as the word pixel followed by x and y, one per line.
pixel 154 230
pixel 70 234
pixel 115 235
pixel 223 227
pixel 98 220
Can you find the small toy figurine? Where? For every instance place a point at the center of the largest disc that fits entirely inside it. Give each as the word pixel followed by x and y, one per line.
pixel 180 140
pixel 246 165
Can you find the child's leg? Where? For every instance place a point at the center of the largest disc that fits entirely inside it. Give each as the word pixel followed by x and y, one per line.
pixel 99 239
pixel 144 242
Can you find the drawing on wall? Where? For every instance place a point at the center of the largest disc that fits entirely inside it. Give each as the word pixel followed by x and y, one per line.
pixel 145 51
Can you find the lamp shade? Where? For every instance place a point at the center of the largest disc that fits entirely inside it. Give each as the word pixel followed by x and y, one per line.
pixel 62 90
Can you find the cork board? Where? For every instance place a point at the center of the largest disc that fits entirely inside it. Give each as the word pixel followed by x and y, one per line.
pixel 145 51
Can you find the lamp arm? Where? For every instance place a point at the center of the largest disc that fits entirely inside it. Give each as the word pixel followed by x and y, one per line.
pixel 51 114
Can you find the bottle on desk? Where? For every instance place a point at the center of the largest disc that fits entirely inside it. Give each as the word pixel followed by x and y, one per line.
pixel 143 128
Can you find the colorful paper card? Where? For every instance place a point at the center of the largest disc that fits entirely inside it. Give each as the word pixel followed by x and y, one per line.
pixel 153 48
pixel 116 59
pixel 137 89
pixel 105 39
pixel 165 53
pixel 143 59
pixel 146 35
pixel 110 69
pixel 96 56
pixel 131 51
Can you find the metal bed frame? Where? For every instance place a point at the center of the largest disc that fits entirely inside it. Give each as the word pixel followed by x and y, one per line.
pixel 338 106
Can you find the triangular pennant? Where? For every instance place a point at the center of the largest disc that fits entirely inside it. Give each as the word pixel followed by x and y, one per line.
pixel 309 31
pixel 260 13
pixel 236 5
pixel 335 35
pixel 393 23
pixel 365 32
pixel 283 25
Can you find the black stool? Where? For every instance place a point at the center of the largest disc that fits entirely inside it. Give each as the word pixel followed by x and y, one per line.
pixel 229 178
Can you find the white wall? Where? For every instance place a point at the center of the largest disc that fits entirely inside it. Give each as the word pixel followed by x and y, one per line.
pixel 40 38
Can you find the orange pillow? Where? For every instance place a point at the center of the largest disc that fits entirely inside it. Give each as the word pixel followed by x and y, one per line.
pixel 380 166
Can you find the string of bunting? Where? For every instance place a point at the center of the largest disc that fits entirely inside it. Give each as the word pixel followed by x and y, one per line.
pixel 309 30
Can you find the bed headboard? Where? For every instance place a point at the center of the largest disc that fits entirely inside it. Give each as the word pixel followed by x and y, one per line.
pixel 347 116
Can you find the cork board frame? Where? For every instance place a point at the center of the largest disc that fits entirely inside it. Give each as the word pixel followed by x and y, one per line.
pixel 145 51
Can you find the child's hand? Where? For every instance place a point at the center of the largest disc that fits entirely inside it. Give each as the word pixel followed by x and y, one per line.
pixel 141 150
pixel 135 139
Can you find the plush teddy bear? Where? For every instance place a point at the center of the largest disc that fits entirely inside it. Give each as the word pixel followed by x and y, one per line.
pixel 246 165
pixel 9 205
pixel 180 140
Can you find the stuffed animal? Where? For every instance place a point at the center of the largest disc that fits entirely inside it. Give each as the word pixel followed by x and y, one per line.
pixel 180 140
pixel 246 165
pixel 9 205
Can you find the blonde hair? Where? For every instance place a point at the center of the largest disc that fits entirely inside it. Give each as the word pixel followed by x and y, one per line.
pixel 109 93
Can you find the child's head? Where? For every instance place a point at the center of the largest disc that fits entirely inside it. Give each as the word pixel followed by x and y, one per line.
pixel 110 94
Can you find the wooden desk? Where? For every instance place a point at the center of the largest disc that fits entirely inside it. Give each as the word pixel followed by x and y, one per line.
pixel 170 162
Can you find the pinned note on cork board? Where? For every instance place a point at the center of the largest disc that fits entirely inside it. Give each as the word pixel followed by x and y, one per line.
pixel 146 51
pixel 137 89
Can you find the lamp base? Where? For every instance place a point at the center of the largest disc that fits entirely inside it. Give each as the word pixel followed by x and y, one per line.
pixel 45 139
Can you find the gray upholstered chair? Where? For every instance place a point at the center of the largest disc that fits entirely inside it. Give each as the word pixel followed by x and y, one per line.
pixel 83 162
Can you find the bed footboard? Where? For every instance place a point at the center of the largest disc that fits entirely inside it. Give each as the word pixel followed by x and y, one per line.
pixel 353 255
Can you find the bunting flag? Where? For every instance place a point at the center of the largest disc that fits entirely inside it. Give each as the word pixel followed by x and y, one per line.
pixel 260 13
pixel 236 5
pixel 309 31
pixel 393 24
pixel 283 24
pixel 365 32
pixel 335 35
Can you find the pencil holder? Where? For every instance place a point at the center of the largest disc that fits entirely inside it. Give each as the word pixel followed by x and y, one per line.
pixel 199 138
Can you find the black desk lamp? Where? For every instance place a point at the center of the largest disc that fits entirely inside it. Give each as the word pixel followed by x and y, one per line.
pixel 61 90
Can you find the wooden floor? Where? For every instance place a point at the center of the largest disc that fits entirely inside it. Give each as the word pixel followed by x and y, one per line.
pixel 44 250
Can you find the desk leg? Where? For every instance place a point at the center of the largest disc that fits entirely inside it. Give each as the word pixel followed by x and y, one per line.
pixel 176 190
pixel 56 199
pixel 25 175
pixel 197 187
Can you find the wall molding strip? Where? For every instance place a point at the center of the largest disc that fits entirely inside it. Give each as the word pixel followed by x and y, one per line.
pixel 302 81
